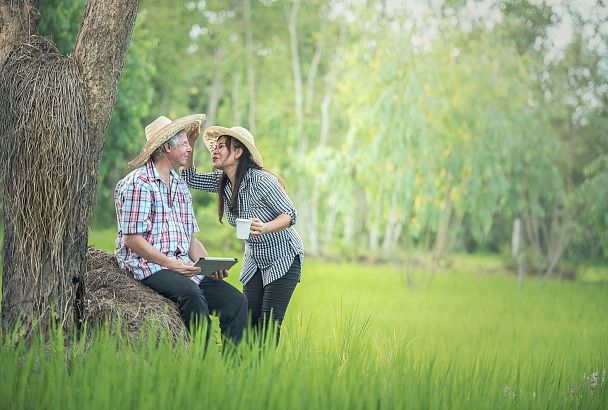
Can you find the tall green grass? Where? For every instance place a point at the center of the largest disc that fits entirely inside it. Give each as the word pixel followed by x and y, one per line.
pixel 355 337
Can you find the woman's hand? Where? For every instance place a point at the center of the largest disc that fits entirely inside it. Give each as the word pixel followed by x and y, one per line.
pixel 258 227
pixel 193 135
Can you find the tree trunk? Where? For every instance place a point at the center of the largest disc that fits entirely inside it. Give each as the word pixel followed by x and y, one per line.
pixel 18 20
pixel 54 113
pixel 217 88
pixel 392 229
pixel 517 250
pixel 441 239
pixel 250 66
pixel 329 224
pixel 330 88
pixel 314 68
pixel 292 25
pixel 237 113
pixel 557 242
pixel 313 223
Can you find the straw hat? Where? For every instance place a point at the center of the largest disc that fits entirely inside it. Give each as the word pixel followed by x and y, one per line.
pixel 161 130
pixel 212 134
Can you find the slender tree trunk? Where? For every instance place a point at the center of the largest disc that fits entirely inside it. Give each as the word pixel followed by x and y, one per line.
pixel 454 231
pixel 330 88
pixel 292 25
pixel 329 225
pixel 250 66
pixel 330 214
pixel 393 228
pixel 314 68
pixel 237 111
pixel 313 223
pixel 348 231
pixel 517 249
pixel 557 242
pixel 374 216
pixel 47 218
pixel 532 231
pixel 217 88
pixel 442 232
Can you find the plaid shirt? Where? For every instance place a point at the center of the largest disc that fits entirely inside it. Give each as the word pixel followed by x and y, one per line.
pixel 163 217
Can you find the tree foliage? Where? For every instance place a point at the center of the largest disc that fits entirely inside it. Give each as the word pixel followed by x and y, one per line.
pixel 431 126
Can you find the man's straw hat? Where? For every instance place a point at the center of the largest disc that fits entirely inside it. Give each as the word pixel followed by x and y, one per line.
pixel 212 134
pixel 161 130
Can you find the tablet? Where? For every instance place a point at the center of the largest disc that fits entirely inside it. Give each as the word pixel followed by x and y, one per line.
pixel 210 264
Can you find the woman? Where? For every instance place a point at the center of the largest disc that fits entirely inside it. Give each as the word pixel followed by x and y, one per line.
pixel 274 251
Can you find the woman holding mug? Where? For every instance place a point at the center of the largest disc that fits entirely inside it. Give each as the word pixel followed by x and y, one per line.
pixel 274 252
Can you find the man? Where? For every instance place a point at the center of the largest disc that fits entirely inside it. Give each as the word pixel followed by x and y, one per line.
pixel 156 227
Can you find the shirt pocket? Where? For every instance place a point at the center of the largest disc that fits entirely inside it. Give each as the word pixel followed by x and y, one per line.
pixel 252 207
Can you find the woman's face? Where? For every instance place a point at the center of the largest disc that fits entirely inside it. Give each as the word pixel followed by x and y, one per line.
pixel 223 157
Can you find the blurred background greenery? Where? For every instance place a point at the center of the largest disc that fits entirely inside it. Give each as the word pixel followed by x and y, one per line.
pixel 442 126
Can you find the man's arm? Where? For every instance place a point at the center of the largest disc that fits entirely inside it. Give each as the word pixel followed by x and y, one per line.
pixel 143 249
pixel 197 250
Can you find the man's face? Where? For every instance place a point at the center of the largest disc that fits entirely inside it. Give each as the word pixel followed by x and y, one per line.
pixel 178 155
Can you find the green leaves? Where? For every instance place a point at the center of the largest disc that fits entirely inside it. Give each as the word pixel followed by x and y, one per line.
pixel 414 121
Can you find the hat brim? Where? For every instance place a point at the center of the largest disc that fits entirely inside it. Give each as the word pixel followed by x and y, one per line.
pixel 212 134
pixel 164 134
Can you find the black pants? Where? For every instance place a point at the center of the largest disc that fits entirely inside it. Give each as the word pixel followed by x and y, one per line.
pixel 195 303
pixel 273 297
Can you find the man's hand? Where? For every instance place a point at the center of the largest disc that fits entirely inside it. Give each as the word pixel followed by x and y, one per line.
pixel 183 268
pixel 219 275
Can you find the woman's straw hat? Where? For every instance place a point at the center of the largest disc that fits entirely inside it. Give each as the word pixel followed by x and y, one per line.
pixel 242 134
pixel 161 130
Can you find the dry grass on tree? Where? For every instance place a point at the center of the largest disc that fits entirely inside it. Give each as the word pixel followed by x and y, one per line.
pixel 44 167
pixel 112 293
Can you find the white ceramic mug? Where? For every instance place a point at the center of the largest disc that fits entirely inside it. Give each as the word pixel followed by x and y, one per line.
pixel 242 228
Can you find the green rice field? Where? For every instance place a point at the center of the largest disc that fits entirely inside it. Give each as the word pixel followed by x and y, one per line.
pixel 356 337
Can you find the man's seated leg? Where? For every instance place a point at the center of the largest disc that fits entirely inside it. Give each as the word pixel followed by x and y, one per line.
pixel 182 290
pixel 230 304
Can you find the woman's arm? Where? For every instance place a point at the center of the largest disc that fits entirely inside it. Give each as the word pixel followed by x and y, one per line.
pixel 275 198
pixel 283 221
pixel 206 181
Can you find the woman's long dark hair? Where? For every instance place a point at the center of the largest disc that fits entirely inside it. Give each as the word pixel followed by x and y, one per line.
pixel 245 162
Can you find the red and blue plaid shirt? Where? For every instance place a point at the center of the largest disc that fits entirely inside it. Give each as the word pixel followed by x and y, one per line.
pixel 163 216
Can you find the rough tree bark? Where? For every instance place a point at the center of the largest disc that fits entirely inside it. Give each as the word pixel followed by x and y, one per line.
pixel 45 288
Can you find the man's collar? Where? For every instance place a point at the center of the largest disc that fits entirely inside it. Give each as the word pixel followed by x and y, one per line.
pixel 153 171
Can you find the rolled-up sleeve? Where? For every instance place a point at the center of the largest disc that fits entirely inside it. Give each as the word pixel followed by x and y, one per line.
pixel 276 198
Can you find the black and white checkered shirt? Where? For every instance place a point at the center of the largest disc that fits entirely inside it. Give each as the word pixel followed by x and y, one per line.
pixel 260 196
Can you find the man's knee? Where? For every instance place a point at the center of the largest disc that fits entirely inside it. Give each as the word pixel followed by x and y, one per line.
pixel 193 296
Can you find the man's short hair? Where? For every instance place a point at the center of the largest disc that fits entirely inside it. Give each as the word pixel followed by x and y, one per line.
pixel 173 141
